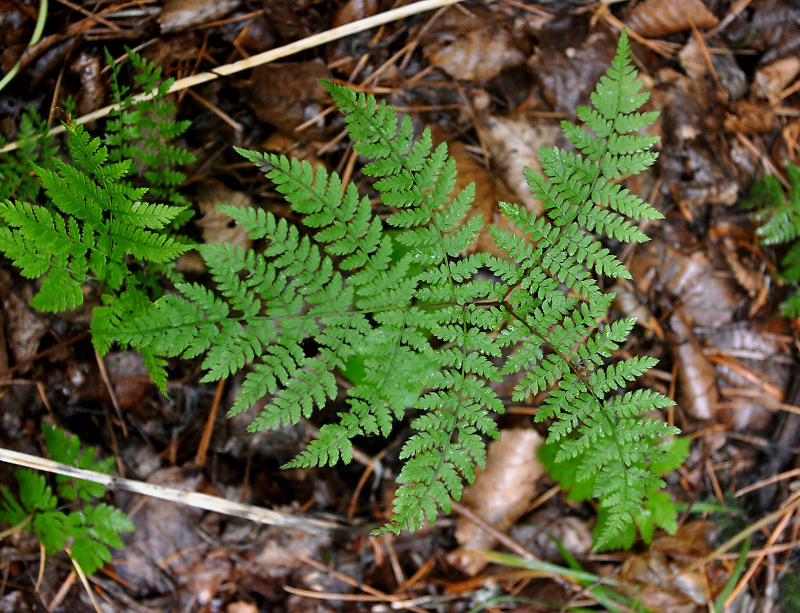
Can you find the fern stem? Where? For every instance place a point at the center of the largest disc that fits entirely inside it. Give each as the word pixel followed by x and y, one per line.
pixel 17 528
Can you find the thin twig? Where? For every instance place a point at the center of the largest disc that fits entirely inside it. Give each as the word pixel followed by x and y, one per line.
pixel 194 499
pixel 269 56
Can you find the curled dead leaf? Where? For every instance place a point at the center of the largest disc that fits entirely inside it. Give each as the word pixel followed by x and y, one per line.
pixel 663 587
pixel 512 144
pixel 772 78
pixel 663 17
pixel 706 299
pixel 179 15
pixel 500 493
pixel 697 389
pixel 472 47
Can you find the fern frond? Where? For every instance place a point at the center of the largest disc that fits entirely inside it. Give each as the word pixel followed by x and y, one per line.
pixel 417 325
pixel 141 132
pixel 94 222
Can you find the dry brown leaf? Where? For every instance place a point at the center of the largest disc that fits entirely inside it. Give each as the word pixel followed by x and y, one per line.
pixel 166 536
pixel 179 15
pixel 706 299
pixel 697 389
pixel 664 588
pixel 663 17
pixel 540 532
pixel 288 94
pixel 629 303
pixel 770 80
pixel 471 47
pixel 240 606
pixel 500 493
pixel 750 118
pixel 471 170
pixel 512 145
pixel 746 355
pixel 750 280
pixel 215 225
pixel 727 70
pixel 568 63
pixel 25 328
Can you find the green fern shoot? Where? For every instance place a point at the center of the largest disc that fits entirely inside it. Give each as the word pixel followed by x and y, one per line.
pixel 69 517
pixel 144 131
pixel 105 218
pixel 300 308
pixel 93 222
pixel 36 147
pixel 780 214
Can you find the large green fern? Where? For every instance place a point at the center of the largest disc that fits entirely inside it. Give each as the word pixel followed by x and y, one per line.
pixel 404 289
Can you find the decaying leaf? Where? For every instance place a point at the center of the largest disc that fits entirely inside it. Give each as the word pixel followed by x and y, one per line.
pixel 697 389
pixel 568 62
pixel 753 365
pixel 179 15
pixel 540 532
pixel 626 301
pixel 472 47
pixel 663 17
pixel 166 536
pixel 500 493
pixel 772 78
pixel 706 299
pixel 471 170
pixel 512 144
pixel 288 94
pixel 726 68
pixel 25 327
pixel 750 118
pixel 214 224
pixel 663 587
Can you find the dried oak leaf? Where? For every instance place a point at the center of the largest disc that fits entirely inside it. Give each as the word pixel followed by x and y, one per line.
pixel 663 17
pixel 697 389
pixel 500 493
pixel 472 47
pixel 655 579
pixel 512 145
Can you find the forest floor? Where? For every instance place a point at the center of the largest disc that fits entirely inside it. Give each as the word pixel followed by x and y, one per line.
pixel 492 79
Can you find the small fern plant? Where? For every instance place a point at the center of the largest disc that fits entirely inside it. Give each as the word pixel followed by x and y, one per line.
pixel 69 517
pixel 144 131
pixel 298 310
pixel 36 147
pixel 98 222
pixel 780 216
